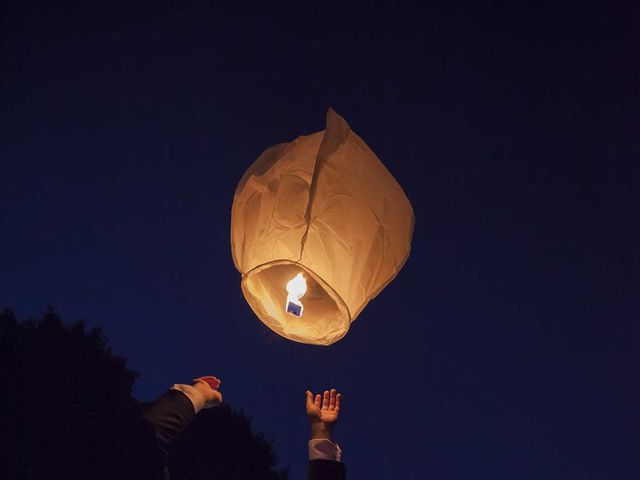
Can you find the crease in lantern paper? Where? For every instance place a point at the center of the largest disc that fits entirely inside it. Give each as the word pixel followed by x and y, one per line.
pixel 319 161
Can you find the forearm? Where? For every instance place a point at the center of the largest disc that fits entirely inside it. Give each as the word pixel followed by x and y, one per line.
pixel 323 449
pixel 320 431
pixel 168 416
pixel 321 444
pixel 193 393
pixel 325 460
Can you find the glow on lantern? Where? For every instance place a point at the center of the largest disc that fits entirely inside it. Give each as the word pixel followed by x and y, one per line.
pixel 296 288
pixel 323 205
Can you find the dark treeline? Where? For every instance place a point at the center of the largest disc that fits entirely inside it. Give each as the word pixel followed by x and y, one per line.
pixel 67 412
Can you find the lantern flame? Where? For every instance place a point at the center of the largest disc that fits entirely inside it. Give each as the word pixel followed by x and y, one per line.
pixel 296 288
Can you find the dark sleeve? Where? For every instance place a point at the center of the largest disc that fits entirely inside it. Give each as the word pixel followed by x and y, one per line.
pixel 327 470
pixel 168 416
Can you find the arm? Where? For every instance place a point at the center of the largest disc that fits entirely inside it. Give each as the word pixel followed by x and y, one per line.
pixel 325 457
pixel 176 408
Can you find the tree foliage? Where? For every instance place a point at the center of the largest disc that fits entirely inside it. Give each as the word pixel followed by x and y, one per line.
pixel 67 412
pixel 220 444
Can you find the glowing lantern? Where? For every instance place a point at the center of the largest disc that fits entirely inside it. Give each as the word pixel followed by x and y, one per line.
pixel 320 217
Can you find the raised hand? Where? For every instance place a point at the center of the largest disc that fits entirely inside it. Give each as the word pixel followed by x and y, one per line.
pixel 323 412
pixel 208 387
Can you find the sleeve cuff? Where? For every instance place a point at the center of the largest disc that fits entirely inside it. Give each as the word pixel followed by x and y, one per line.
pixel 192 394
pixel 324 449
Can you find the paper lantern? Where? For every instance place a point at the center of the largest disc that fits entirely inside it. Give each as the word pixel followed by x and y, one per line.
pixel 318 228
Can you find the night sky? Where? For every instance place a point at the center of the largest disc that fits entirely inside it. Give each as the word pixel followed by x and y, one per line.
pixel 508 346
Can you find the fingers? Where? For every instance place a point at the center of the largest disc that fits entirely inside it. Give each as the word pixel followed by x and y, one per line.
pixel 329 400
pixel 332 398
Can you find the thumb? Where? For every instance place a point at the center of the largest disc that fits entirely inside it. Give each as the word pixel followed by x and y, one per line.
pixel 309 399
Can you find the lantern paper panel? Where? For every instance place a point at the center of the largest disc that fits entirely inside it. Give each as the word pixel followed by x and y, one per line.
pixel 323 206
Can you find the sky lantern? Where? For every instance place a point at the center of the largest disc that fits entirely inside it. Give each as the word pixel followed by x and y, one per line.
pixel 318 228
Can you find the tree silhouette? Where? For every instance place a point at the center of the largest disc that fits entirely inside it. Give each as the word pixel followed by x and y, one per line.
pixel 67 412
pixel 220 444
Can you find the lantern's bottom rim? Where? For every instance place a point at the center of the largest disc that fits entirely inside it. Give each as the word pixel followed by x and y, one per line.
pixel 336 333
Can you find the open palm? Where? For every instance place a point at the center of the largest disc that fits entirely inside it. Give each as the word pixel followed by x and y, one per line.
pixel 323 409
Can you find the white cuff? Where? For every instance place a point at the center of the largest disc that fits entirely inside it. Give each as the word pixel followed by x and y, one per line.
pixel 324 449
pixel 192 394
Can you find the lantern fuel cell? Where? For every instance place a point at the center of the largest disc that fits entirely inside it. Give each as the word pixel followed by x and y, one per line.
pixel 294 308
pixel 296 288
pixel 325 210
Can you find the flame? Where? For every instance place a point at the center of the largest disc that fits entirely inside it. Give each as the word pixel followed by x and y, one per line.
pixel 297 286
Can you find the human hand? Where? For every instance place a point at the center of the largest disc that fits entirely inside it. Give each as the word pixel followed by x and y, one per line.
pixel 208 388
pixel 323 412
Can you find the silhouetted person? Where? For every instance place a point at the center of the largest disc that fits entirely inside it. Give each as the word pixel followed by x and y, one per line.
pixel 176 408
pixel 66 412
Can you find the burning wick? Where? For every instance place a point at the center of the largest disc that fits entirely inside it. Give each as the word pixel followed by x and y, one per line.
pixel 296 288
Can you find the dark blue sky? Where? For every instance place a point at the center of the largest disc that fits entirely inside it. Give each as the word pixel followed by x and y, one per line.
pixel 509 345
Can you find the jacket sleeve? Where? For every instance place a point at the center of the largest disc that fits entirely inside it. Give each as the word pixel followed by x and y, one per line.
pixel 326 470
pixel 168 416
